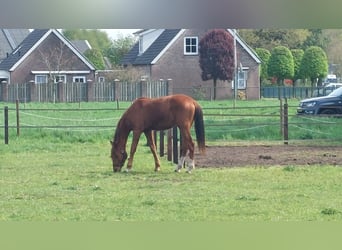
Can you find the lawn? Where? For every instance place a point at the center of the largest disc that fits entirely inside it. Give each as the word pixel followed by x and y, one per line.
pixel 42 181
pixel 64 173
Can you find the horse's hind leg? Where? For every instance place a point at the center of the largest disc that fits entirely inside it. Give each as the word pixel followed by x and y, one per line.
pixel 186 152
pixel 189 159
pixel 150 141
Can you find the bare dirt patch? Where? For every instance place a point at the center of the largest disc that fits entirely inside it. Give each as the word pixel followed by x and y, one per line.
pixel 275 155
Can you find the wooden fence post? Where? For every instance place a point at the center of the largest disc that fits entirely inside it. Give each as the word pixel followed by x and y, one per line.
pixel 175 144
pixel 33 91
pixel 143 88
pixel 169 87
pixel 4 91
pixel 117 93
pixel 161 143
pixel 17 115
pixel 281 113
pixel 286 123
pixel 169 145
pixel 6 124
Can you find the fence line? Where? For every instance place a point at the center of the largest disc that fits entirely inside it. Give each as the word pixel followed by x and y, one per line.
pixel 128 91
pixel 211 119
pixel 83 92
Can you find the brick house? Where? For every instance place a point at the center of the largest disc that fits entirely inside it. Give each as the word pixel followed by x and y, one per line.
pixel 46 55
pixel 173 54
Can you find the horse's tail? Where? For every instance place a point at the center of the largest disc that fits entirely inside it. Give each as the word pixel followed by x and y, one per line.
pixel 199 128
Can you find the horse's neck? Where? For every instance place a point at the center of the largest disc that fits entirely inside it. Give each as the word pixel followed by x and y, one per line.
pixel 121 135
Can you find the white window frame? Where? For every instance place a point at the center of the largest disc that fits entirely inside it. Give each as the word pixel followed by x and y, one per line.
pixel 242 79
pixel 58 78
pixel 37 77
pixel 191 45
pixel 77 78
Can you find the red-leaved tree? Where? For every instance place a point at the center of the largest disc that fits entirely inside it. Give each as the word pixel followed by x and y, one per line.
pixel 216 56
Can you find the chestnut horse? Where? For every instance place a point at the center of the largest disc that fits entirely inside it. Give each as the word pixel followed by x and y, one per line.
pixel 146 115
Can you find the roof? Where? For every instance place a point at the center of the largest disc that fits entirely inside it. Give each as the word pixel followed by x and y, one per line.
pixel 81 45
pixel 10 39
pixel 32 41
pixel 153 51
pixel 245 45
pixel 163 42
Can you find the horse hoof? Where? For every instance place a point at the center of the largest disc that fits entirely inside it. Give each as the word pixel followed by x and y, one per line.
pixel 156 169
pixel 177 170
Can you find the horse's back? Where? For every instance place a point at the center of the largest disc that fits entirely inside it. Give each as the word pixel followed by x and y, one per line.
pixel 168 102
pixel 161 113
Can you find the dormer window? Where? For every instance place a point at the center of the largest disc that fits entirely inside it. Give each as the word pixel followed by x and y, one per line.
pixel 191 45
pixel 141 45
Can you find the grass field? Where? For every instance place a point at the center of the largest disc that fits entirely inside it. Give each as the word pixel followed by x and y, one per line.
pixel 43 181
pixel 66 175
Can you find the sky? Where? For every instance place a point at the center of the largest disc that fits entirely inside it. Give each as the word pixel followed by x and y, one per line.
pixel 115 33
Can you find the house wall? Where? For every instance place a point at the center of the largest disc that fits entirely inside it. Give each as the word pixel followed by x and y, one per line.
pixel 185 71
pixel 47 57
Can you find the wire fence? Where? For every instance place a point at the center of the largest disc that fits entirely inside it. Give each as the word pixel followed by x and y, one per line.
pixel 263 123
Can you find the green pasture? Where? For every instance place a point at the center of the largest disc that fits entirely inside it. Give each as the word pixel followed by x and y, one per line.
pixel 65 174
pixel 43 181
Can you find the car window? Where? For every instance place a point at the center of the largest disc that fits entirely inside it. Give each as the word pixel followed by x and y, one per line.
pixel 336 92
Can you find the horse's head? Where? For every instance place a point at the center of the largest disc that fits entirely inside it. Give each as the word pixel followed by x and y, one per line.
pixel 118 157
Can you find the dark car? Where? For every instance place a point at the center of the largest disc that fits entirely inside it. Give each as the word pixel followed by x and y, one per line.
pixel 328 105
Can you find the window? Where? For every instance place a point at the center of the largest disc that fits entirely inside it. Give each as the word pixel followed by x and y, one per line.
pixel 60 78
pixel 101 79
pixel 39 79
pixel 242 80
pixel 81 79
pixel 141 45
pixel 190 45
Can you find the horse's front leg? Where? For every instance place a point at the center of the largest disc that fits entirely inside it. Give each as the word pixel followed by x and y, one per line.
pixel 150 141
pixel 135 141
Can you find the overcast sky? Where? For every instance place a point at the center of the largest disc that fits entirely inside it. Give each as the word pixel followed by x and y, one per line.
pixel 115 33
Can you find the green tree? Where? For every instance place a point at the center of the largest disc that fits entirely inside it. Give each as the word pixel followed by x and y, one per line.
pixel 314 64
pixel 264 55
pixel 270 38
pixel 216 56
pixel 281 64
pixel 297 59
pixel 119 48
pixel 95 56
pixel 98 39
pixel 316 38
pixel 334 50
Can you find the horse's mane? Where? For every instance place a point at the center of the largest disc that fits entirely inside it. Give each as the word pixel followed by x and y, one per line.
pixel 117 132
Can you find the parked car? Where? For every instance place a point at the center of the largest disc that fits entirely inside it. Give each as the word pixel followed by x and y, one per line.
pixel 326 90
pixel 329 105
